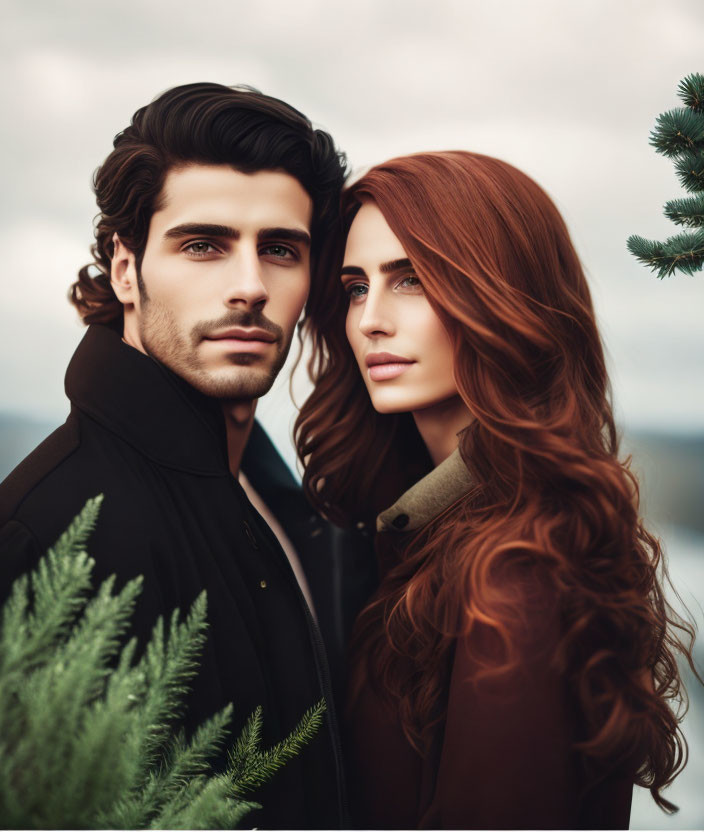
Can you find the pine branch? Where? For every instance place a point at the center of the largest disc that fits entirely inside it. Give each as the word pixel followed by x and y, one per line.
pixel 677 131
pixel 691 91
pixel 690 170
pixel 683 252
pixel 688 211
pixel 679 134
pixel 86 746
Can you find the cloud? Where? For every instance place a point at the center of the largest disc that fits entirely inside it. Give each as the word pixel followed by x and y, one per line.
pixel 568 92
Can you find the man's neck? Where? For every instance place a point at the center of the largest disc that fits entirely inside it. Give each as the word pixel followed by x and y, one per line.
pixel 239 418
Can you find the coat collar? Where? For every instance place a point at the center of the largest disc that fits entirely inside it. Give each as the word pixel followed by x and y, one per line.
pixel 146 405
pixel 430 496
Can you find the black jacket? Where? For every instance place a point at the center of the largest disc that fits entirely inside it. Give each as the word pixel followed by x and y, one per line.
pixel 173 513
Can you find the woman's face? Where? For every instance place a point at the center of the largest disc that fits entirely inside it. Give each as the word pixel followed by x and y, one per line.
pixel 403 350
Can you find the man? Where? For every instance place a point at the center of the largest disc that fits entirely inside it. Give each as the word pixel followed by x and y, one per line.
pixel 214 207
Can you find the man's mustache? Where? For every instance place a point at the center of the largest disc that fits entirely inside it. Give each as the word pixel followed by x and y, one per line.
pixel 237 317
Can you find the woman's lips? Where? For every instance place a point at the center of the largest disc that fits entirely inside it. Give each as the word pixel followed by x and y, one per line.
pixel 384 372
pixel 383 366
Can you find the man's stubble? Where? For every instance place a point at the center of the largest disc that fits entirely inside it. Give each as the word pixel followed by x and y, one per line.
pixel 247 378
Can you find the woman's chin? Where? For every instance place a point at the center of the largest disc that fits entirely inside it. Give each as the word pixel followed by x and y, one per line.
pixel 393 404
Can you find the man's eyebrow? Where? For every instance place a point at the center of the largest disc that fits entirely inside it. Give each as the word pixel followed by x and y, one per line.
pixel 188 229
pixel 291 235
pixel 355 270
pixel 384 268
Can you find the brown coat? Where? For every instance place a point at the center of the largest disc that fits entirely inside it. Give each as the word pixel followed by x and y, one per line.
pixel 503 758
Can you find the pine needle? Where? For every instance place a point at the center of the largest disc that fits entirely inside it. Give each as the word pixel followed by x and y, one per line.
pixel 677 131
pixel 683 252
pixel 691 91
pixel 690 170
pixel 688 211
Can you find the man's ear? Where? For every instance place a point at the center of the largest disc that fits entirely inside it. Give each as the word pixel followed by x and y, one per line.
pixel 123 273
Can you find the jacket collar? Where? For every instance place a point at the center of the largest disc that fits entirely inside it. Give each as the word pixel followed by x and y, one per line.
pixel 146 405
pixel 429 497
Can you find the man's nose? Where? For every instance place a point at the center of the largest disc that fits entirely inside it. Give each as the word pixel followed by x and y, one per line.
pixel 245 283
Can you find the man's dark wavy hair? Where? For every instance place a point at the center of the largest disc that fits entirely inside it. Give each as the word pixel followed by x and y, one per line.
pixel 201 123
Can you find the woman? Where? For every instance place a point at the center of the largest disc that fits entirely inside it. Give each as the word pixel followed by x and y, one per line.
pixel 515 667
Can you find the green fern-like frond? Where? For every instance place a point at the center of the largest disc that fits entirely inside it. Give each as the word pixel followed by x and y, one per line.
pixel 259 766
pixel 246 746
pixel 677 131
pixel 162 676
pixel 85 731
pixel 59 584
pixel 210 799
pixel 683 252
pixel 691 91
pixel 75 538
pixel 163 790
pixel 688 211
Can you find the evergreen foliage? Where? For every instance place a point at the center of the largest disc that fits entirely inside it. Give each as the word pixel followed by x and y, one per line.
pixel 85 736
pixel 679 135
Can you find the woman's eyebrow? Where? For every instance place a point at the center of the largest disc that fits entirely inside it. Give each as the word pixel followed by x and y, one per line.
pixel 395 265
pixel 384 268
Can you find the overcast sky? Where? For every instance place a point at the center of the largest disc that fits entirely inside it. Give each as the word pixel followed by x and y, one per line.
pixel 566 91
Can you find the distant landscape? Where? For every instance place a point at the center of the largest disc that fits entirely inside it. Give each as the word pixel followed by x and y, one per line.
pixel 670 466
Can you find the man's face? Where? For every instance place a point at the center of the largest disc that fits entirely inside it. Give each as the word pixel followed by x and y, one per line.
pixel 225 274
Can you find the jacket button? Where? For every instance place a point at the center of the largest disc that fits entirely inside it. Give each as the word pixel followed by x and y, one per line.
pixel 249 534
pixel 400 521
pixel 262 584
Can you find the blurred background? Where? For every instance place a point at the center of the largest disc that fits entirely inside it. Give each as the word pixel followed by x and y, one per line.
pixel 566 91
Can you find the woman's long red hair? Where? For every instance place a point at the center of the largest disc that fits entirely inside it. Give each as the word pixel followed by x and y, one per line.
pixel 498 267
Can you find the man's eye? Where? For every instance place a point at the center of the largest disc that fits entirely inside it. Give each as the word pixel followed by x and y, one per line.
pixel 279 251
pixel 200 248
pixel 356 291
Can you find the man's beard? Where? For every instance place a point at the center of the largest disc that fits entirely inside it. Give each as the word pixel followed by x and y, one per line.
pixel 248 377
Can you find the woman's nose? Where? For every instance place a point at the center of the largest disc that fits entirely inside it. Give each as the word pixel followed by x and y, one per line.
pixel 377 316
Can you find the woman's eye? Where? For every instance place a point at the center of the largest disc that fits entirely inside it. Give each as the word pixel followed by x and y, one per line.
pixel 279 252
pixel 200 248
pixel 412 281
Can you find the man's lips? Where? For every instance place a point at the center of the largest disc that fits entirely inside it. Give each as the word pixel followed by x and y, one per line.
pixel 243 339
pixel 240 333
pixel 385 365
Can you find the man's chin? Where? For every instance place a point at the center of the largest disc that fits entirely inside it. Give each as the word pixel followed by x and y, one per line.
pixel 233 383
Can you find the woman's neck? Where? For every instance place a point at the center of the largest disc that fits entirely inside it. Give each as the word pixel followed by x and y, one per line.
pixel 439 425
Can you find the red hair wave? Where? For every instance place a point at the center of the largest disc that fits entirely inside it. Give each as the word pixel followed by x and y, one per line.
pixel 499 269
